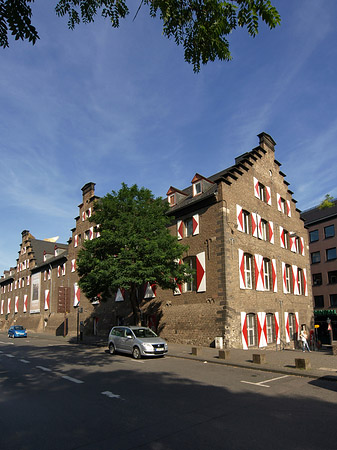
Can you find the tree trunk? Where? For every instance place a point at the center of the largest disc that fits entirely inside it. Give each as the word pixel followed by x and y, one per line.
pixel 135 305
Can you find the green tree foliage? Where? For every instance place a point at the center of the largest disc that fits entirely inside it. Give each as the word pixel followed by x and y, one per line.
pixel 328 202
pixel 134 247
pixel 200 26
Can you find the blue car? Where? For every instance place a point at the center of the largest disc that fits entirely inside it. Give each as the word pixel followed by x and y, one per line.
pixel 17 331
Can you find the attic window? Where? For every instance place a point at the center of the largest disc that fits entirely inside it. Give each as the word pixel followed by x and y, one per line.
pixel 197 188
pixel 172 200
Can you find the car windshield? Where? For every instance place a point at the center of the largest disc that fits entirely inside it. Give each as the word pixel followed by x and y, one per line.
pixel 144 333
pixel 18 327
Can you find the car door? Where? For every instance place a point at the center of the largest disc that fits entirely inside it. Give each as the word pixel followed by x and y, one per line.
pixel 118 334
pixel 129 340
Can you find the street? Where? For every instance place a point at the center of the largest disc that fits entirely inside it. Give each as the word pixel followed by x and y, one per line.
pixel 60 396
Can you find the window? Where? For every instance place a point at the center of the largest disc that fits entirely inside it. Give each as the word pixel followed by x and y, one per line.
pixel 188 227
pixel 171 200
pixel 262 192
pixel 288 278
pixel 292 326
pixel 313 236
pixel 286 239
pixel 315 257
pixel 264 233
pixel 329 231
pixel 333 300
pixel 197 188
pixel 319 301
pixel 331 254
pixel 248 270
pixel 317 279
pixel 332 277
pixel 245 221
pixel 251 329
pixel 266 273
pixel 190 285
pixel 87 235
pixel 283 205
pixel 270 328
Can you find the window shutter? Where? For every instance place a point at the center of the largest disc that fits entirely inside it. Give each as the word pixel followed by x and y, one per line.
pixel 178 289
pixel 83 216
pixel 8 306
pixel 76 240
pixel 25 301
pixel 2 306
pixel 239 217
pixel 180 229
pixel 277 328
pixel 305 282
pixel 46 299
pixel 286 322
pixel 242 269
pixel 16 304
pixel 274 274
pixel 262 329
pixel 302 246
pixel 295 279
pixel 279 205
pixel 288 208
pixel 259 226
pixel 77 295
pixel 284 279
pixel 195 224
pixel 254 224
pixel 268 195
pixel 201 272
pixel 282 243
pixel 297 324
pixel 244 334
pixel 292 240
pixel 91 233
pixel 73 265
pixel 256 188
pixel 271 232
pixel 258 264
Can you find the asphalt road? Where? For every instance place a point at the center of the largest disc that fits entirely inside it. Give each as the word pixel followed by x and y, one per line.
pixel 61 396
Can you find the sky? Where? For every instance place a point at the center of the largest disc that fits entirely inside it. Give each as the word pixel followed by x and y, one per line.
pixel 108 106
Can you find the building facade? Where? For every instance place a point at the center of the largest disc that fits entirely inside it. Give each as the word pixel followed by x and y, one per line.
pixel 322 225
pixel 246 243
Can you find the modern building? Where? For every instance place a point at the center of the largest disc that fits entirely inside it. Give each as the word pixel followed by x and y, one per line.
pixel 322 225
pixel 247 244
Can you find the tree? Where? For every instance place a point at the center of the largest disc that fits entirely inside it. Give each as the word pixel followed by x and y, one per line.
pixel 200 26
pixel 328 202
pixel 134 247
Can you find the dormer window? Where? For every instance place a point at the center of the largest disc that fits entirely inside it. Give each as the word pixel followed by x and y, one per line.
pixel 172 199
pixel 200 184
pixel 197 188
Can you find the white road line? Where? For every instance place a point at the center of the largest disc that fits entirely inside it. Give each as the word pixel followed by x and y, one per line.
pixel 9 356
pixel 262 383
pixel 110 394
pixel 7 343
pixel 45 369
pixel 74 380
pixel 24 361
pixel 329 369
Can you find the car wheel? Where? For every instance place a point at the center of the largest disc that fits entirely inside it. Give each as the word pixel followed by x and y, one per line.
pixel 136 353
pixel 112 349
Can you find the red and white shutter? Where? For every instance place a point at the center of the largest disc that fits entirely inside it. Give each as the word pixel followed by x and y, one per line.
pixel 292 241
pixel 178 289
pixel 91 233
pixel 254 224
pixel 297 324
pixel 64 269
pixel 259 280
pixel 76 240
pixel 271 232
pixel 277 328
pixel 83 216
pixel 244 333
pixel 150 290
pixel 284 278
pixel 49 274
pixel 8 306
pixel 28 280
pixel 262 329
pixel 288 208
pixel 73 265
pixel 239 217
pixel 259 226
pixel 77 295
pixel 295 279
pixel 2 306
pixel 180 229
pixel 282 237
pixel 305 282
pixel 89 212
pixel 46 299
pixel 195 221
pixel 274 274
pixel 25 303
pixel 279 202
pixel 302 246
pixel 16 304
pixel 201 272
pixel 120 295
pixel 268 195
pixel 286 324
pixel 256 188
pixel 242 269
pixel 59 271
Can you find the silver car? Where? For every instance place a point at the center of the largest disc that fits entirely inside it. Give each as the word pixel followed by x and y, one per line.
pixel 137 341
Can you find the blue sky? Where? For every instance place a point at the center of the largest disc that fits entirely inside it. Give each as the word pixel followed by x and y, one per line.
pixel 111 106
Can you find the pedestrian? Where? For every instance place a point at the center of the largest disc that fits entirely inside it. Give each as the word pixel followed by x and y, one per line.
pixel 304 337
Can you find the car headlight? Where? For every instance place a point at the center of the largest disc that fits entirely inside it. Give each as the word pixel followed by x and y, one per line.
pixel 148 347
pixel 165 346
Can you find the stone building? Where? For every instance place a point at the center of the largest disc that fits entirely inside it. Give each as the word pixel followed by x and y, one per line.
pixel 247 244
pixel 322 224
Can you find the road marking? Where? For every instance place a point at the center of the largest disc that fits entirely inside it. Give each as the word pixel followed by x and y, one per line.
pixel 329 369
pixel 9 356
pixel 7 343
pixel 24 361
pixel 262 383
pixel 110 394
pixel 74 380
pixel 45 369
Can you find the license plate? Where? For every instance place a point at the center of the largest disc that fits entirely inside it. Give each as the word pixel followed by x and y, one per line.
pixel 159 349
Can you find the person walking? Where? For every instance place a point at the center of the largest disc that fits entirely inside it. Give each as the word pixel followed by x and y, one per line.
pixel 304 339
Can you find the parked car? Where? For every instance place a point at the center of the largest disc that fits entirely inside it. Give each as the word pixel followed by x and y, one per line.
pixel 17 331
pixel 137 341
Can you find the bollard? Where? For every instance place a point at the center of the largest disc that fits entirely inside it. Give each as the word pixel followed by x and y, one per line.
pixel 259 359
pixel 196 351
pixel 224 354
pixel 302 363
